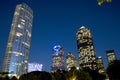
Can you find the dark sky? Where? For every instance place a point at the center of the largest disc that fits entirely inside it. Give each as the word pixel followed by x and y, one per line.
pixel 57 21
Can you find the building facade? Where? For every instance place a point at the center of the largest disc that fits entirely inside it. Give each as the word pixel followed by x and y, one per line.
pixel 34 67
pixel 57 58
pixel 110 56
pixel 100 65
pixel 86 53
pixel 17 51
pixel 71 61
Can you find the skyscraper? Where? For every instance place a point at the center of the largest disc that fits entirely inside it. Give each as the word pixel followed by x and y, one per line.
pixel 110 56
pixel 85 47
pixel 57 58
pixel 71 61
pixel 17 51
pixel 100 65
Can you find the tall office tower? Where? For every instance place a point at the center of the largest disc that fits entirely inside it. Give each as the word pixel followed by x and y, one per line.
pixel 17 51
pixel 100 65
pixel 85 47
pixel 57 58
pixel 110 56
pixel 71 61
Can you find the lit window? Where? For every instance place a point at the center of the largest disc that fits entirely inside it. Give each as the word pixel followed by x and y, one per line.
pixel 19 34
pixel 9 44
pixel 16 13
pixel 26 61
pixel 20 26
pixel 22 8
pixel 22 20
pixel 29 34
pixel 17 53
pixel 22 23
pixel 26 44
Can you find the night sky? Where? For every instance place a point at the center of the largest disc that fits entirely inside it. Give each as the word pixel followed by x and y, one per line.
pixel 56 23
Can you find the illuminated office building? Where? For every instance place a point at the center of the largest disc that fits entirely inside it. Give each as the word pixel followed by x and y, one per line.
pixel 85 47
pixel 18 46
pixel 34 67
pixel 71 61
pixel 110 56
pixel 100 65
pixel 57 58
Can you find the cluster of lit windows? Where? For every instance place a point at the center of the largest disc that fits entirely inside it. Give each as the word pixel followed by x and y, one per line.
pixel 71 61
pixel 15 64
pixel 22 23
pixel 19 34
pixel 16 13
pixel 28 33
pixel 34 67
pixel 57 61
pixel 17 53
pixel 85 47
pixel 58 58
pixel 110 56
pixel 26 44
pixel 100 65
pixel 9 45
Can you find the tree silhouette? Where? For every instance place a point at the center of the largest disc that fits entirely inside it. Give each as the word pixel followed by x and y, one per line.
pixel 75 74
pixel 94 74
pixel 13 78
pixel 59 75
pixel 23 77
pixel 113 70
pixel 36 75
pixel 6 78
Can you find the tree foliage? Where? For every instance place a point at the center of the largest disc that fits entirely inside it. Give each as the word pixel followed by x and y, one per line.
pixel 113 70
pixel 36 75
pixel 94 74
pixel 6 78
pixel 75 74
pixel 59 75
pixel 13 78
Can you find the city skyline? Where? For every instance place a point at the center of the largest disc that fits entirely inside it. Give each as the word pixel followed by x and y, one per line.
pixel 57 23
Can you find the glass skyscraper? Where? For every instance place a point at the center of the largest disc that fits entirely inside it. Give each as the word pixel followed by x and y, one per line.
pixel 85 47
pixel 17 51
pixel 57 58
